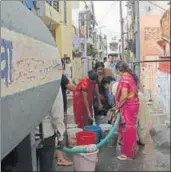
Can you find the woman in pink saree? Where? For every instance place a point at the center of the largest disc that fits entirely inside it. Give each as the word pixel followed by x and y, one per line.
pixel 127 103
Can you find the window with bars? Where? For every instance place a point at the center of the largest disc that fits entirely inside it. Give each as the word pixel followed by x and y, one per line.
pixel 54 4
pixel 50 2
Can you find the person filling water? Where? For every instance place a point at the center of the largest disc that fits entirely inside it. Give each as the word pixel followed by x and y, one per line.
pixel 110 85
pixel 83 100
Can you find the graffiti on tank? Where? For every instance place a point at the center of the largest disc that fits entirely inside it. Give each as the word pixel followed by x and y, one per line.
pixel 32 69
pixel 6 61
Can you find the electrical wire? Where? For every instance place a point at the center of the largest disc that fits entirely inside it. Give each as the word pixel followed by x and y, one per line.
pixel 156 5
pixel 107 12
pixel 87 6
pixel 151 61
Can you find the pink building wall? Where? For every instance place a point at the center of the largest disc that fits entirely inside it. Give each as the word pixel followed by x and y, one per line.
pixel 149 50
pixel 149 34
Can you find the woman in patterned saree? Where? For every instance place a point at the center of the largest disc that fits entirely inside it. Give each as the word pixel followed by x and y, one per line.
pixel 83 100
pixel 127 103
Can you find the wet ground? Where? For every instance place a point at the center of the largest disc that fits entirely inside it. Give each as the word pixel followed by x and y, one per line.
pixel 148 158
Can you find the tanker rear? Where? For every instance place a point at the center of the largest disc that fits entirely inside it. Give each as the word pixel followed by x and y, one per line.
pixel 30 73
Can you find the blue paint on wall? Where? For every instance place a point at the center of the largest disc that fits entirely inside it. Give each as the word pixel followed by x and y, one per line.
pixel 28 4
pixel 17 22
pixel 6 56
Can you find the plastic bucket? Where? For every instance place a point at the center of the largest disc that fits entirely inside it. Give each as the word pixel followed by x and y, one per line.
pixel 96 129
pixel 72 126
pixel 112 142
pixel 105 127
pixel 86 138
pixel 101 120
pixel 85 161
pixel 72 136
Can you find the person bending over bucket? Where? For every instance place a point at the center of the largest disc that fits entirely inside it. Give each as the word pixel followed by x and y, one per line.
pixel 83 100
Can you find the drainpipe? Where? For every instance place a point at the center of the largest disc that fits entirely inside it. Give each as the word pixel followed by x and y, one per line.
pixel 122 32
pixel 85 34
pixel 136 67
pixel 170 26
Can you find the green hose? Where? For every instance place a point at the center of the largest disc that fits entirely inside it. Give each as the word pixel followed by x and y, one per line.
pixel 99 145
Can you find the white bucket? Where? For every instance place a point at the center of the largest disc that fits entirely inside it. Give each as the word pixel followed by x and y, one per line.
pixel 101 120
pixel 69 126
pixel 72 136
pixel 105 127
pixel 85 161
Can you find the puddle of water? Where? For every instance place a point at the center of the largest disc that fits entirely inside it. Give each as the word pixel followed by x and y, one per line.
pixel 163 151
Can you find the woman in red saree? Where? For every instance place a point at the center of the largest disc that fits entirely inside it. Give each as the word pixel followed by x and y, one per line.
pixel 83 100
pixel 127 103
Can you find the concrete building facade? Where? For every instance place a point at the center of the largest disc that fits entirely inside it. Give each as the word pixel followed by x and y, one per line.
pixel 163 87
pixel 152 78
pixel 87 23
pixel 57 15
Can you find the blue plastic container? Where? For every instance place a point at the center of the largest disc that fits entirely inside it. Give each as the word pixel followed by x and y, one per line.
pixel 96 129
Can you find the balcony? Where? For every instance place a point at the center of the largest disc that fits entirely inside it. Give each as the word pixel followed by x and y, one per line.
pixel 51 12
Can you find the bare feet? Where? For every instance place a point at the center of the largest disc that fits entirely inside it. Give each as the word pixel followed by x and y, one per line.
pixel 123 158
pixel 64 162
pixel 61 160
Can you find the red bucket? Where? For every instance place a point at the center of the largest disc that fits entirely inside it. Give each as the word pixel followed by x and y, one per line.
pixel 86 137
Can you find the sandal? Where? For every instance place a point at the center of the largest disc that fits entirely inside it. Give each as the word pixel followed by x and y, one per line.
pixel 63 162
pixel 123 158
pixel 66 158
pixel 140 143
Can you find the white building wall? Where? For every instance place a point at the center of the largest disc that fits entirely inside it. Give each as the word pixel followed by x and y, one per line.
pixel 163 91
pixel 75 4
pixel 82 5
pixel 147 8
pixel 75 13
pixel 75 18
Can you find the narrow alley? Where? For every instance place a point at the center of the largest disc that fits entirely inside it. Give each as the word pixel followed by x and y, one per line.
pixel 101 66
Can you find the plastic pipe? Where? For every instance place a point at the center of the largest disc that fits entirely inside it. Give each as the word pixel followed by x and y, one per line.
pixel 99 145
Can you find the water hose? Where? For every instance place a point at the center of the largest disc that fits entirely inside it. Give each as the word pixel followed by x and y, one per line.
pixel 94 121
pixel 99 145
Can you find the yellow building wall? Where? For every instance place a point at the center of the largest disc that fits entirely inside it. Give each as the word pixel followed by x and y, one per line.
pixel 64 31
pixel 59 38
pixel 50 12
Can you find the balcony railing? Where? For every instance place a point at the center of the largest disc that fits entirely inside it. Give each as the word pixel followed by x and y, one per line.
pixel 54 4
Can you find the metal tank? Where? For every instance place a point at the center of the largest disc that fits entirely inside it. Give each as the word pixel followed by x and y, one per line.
pixel 30 73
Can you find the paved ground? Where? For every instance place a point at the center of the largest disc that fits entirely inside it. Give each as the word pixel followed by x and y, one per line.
pixel 148 159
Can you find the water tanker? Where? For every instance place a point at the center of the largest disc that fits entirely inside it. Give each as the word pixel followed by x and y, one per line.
pixel 30 73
